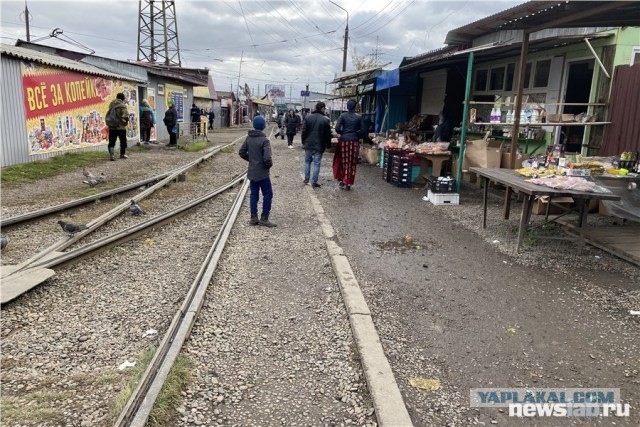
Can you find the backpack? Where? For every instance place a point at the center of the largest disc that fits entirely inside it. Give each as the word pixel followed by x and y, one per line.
pixel 146 118
pixel 113 119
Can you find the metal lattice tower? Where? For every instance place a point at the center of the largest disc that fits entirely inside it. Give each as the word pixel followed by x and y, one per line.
pixel 158 32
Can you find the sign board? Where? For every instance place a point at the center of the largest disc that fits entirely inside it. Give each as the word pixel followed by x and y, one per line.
pixel 304 93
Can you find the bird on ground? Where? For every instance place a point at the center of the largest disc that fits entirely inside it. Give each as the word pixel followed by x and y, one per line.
pixel 4 241
pixel 136 209
pixel 91 182
pixel 71 228
pixel 102 178
pixel 86 173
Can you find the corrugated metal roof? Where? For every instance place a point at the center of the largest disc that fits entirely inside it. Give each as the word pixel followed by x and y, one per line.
pixel 60 62
pixel 561 14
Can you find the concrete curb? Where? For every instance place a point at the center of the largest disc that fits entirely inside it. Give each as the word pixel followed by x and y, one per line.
pixel 387 400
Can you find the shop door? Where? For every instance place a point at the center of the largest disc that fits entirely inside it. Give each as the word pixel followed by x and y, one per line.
pixel 577 91
pixel 224 117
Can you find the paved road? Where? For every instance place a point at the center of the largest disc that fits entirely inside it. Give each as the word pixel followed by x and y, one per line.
pixel 449 306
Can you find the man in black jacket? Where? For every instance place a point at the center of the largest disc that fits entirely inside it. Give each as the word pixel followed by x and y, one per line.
pixel 256 149
pixel 316 137
pixel 170 121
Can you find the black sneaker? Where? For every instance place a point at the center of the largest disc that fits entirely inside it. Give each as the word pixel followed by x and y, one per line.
pixel 316 185
pixel 348 188
pixel 305 182
pixel 341 185
pixel 124 156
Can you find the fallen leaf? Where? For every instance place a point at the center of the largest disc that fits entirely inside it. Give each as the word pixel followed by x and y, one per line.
pixel 512 330
pixel 425 383
pixel 148 242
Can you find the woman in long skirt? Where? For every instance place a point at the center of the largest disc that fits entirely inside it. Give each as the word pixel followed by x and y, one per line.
pixel 351 128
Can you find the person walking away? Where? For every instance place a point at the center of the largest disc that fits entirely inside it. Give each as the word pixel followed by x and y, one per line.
pixel 212 117
pixel 147 121
pixel 316 137
pixel 256 149
pixel 283 125
pixel 292 122
pixel 170 121
pixel 117 120
pixel 351 128
pixel 195 119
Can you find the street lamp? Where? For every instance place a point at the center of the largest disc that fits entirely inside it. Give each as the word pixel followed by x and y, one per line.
pixel 346 38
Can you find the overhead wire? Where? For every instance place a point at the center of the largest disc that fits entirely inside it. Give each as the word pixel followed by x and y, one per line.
pixel 373 23
pixel 388 22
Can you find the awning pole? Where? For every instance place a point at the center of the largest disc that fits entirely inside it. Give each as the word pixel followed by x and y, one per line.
pixel 516 117
pixel 388 110
pixel 465 119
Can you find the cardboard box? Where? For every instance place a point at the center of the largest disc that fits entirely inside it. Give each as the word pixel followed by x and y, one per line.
pixel 554 118
pixel 482 154
pixel 506 158
pixel 568 118
pixel 540 205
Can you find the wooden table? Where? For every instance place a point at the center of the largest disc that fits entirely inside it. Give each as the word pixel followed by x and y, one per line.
pixel 436 161
pixel 510 179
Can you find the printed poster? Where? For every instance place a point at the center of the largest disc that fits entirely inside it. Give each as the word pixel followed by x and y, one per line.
pixel 151 98
pixel 177 94
pixel 66 110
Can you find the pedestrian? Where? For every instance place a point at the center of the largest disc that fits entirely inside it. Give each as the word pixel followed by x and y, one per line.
pixel 170 121
pixel 351 128
pixel 292 121
pixel 195 119
pixel 283 125
pixel 444 130
pixel 316 137
pixel 147 121
pixel 212 117
pixel 117 120
pixel 256 149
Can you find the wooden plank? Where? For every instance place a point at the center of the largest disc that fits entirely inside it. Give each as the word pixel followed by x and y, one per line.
pixel 19 283
pixel 631 246
pixel 616 239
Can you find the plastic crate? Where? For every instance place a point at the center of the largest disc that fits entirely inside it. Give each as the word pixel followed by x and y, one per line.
pixel 443 198
pixel 415 173
pixel 441 186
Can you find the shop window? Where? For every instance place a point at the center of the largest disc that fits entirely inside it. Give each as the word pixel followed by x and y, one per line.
pixel 497 79
pixel 527 75
pixel 635 55
pixel 541 77
pixel 481 79
pixel 511 72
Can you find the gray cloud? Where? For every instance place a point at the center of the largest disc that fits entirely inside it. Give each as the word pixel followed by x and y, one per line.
pixel 282 44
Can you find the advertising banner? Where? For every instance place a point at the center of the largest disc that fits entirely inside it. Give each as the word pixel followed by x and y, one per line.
pixel 177 94
pixel 151 97
pixel 66 110
pixel 276 91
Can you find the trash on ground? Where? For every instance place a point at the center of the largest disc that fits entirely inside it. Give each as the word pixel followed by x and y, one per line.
pixel 126 364
pixel 634 312
pixel 425 383
pixel 149 332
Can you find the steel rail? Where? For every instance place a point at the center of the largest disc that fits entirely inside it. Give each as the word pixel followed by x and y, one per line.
pixel 138 408
pixel 131 232
pixel 67 241
pixel 14 220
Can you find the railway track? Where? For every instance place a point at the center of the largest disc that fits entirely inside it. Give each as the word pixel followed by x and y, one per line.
pixel 18 279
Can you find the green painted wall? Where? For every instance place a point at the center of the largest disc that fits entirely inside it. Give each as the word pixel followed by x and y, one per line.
pixel 627 39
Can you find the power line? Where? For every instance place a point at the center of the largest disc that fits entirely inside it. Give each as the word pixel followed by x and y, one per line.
pixel 378 20
pixel 389 21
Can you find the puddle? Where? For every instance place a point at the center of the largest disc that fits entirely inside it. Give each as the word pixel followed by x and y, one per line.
pixel 402 245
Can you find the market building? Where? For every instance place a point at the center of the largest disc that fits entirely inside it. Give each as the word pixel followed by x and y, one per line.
pixel 36 75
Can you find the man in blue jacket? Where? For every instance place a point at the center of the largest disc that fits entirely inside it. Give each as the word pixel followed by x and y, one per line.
pixel 256 149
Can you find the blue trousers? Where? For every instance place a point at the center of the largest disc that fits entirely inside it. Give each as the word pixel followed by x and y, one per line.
pixel 316 157
pixel 263 185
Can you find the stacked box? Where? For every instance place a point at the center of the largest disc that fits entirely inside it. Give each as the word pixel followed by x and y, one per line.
pixel 388 155
pixel 443 198
pixel 401 170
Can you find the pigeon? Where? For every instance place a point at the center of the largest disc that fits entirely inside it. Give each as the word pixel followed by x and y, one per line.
pixel 86 173
pixel 102 178
pixel 4 241
pixel 136 209
pixel 71 228
pixel 91 182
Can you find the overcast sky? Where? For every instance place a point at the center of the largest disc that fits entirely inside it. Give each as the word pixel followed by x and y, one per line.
pixel 289 42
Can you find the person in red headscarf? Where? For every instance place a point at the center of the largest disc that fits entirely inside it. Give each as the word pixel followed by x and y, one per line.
pixel 351 128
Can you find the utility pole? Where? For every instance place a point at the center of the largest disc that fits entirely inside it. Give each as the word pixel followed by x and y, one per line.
pixel 26 20
pixel 158 32
pixel 346 38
